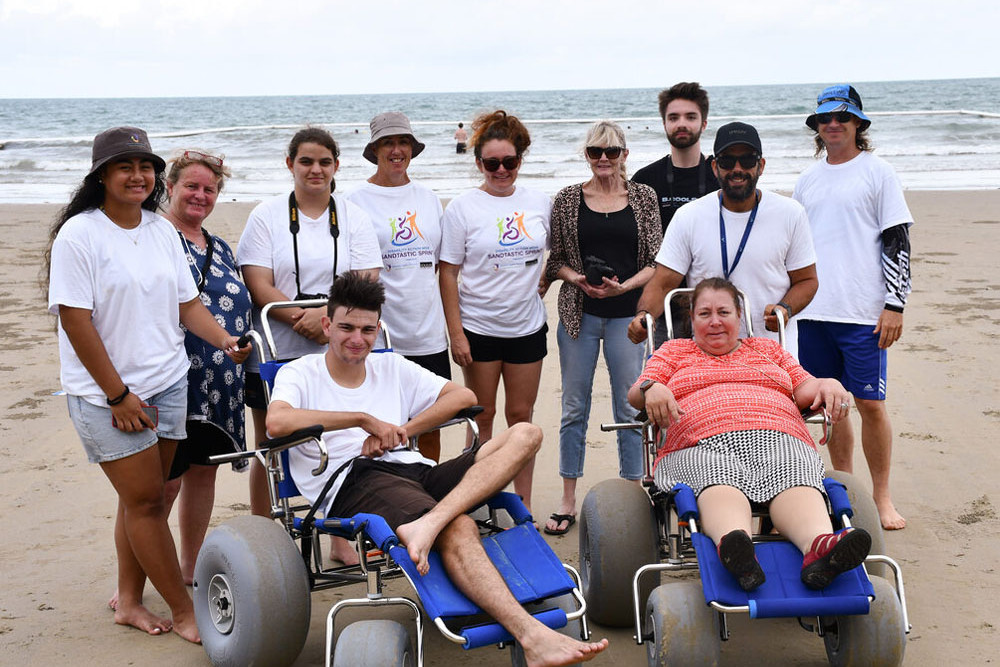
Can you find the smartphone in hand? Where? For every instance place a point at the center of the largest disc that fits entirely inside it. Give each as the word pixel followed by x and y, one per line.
pixel 151 411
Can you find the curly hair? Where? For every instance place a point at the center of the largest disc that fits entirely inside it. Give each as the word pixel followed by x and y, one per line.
pixel 502 126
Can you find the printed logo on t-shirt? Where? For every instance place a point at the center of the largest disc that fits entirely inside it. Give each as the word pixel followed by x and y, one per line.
pixel 511 229
pixel 404 251
pixel 404 229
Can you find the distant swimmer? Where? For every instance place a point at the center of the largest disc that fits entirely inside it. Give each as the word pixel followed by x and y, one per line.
pixel 461 136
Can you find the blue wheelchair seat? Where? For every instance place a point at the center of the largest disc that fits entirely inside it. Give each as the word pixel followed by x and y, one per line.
pixel 783 594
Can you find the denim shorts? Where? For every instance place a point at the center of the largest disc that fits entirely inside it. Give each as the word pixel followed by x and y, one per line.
pixel 103 442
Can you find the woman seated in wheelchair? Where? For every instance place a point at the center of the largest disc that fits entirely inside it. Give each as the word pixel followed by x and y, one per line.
pixel 736 435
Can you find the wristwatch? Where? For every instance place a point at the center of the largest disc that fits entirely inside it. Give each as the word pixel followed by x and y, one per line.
pixel 646 384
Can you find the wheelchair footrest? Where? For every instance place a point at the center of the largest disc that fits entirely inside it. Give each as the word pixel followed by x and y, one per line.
pixel 527 564
pixel 783 594
pixel 477 636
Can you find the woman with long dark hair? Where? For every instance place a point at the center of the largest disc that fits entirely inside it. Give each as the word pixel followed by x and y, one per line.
pixel 120 284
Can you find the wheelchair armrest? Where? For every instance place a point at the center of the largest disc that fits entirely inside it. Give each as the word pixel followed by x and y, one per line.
pixel 464 416
pixel 296 438
pixel 820 417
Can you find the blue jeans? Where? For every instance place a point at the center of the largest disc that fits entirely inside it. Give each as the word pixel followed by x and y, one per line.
pixel 578 361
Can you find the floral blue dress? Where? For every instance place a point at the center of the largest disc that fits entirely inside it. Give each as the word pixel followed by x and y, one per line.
pixel 215 382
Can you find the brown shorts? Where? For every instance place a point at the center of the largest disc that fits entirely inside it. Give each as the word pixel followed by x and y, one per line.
pixel 398 492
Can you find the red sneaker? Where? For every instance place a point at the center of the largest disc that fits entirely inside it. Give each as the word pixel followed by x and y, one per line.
pixel 834 553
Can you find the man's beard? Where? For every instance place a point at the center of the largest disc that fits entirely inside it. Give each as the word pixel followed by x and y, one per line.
pixel 740 192
pixel 686 142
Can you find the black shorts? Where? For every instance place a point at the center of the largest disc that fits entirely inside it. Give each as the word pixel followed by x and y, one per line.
pixel 253 391
pixel 460 147
pixel 203 439
pixel 520 350
pixel 398 492
pixel 438 363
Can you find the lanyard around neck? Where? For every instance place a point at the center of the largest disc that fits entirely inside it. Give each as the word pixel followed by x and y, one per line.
pixel 743 242
pixel 293 227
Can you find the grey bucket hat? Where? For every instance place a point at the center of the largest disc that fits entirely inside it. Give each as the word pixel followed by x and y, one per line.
pixel 122 142
pixel 390 124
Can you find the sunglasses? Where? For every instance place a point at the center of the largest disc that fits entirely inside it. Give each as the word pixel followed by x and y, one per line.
pixel 510 163
pixel 203 157
pixel 747 161
pixel 841 116
pixel 594 152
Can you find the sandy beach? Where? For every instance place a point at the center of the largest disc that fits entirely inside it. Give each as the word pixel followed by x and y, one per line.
pixel 944 399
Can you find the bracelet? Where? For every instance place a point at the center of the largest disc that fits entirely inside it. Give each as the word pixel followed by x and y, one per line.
pixel 788 309
pixel 641 311
pixel 118 399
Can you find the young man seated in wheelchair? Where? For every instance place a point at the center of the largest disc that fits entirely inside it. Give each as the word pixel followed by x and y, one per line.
pixel 368 405
pixel 736 435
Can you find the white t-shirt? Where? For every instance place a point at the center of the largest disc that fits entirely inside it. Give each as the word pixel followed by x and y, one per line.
pixel 407 222
pixel 779 242
pixel 133 281
pixel 394 391
pixel 267 242
pixel 499 242
pixel 849 206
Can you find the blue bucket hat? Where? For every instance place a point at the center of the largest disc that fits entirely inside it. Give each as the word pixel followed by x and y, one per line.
pixel 839 98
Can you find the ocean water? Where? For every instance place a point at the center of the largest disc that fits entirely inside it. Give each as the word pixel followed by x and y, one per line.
pixel 937 134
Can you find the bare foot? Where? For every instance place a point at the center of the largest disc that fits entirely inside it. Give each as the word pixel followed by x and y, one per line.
pixel 185 626
pixel 891 519
pixel 113 602
pixel 343 550
pixel 141 618
pixel 547 648
pixel 418 537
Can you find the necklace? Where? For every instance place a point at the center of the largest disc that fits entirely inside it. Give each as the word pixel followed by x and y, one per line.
pixel 131 234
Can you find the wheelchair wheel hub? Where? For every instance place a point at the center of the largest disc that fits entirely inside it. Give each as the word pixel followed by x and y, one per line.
pixel 220 603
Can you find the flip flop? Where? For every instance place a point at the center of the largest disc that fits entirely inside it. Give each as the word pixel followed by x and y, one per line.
pixel 570 519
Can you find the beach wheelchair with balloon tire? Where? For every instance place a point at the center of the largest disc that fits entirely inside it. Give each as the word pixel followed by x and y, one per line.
pixel 629 535
pixel 254 576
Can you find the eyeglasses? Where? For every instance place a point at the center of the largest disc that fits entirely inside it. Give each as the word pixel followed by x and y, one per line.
pixel 841 116
pixel 203 157
pixel 510 163
pixel 594 152
pixel 747 161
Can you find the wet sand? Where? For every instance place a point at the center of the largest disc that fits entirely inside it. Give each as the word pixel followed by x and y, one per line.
pixel 944 399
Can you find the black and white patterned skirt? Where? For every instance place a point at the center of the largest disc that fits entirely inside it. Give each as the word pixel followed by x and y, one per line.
pixel 759 463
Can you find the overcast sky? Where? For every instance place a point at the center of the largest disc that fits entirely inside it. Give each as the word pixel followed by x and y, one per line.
pixel 108 48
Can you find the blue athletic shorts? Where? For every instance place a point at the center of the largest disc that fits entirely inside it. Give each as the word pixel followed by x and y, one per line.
pixel 847 352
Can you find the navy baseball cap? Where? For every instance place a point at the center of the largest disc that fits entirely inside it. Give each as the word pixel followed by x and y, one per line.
pixel 841 97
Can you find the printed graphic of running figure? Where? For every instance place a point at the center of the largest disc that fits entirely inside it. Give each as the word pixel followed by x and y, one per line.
pixel 404 229
pixel 511 229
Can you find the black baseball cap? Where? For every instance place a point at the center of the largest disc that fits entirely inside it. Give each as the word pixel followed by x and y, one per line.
pixel 733 134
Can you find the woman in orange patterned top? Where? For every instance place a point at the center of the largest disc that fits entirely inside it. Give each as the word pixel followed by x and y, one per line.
pixel 736 435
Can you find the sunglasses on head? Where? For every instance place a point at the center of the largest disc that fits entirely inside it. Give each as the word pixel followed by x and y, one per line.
pixel 509 163
pixel 594 152
pixel 747 161
pixel 841 116
pixel 198 156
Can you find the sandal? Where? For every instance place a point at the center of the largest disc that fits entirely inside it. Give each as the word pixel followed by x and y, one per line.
pixel 570 519
pixel 739 558
pixel 832 554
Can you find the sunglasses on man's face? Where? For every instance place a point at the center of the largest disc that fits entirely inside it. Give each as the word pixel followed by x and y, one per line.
pixel 747 161
pixel 509 163
pixel 595 152
pixel 841 116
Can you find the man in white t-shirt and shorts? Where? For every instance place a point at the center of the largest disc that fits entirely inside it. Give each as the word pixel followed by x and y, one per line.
pixel 757 239
pixel 860 222
pixel 368 404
